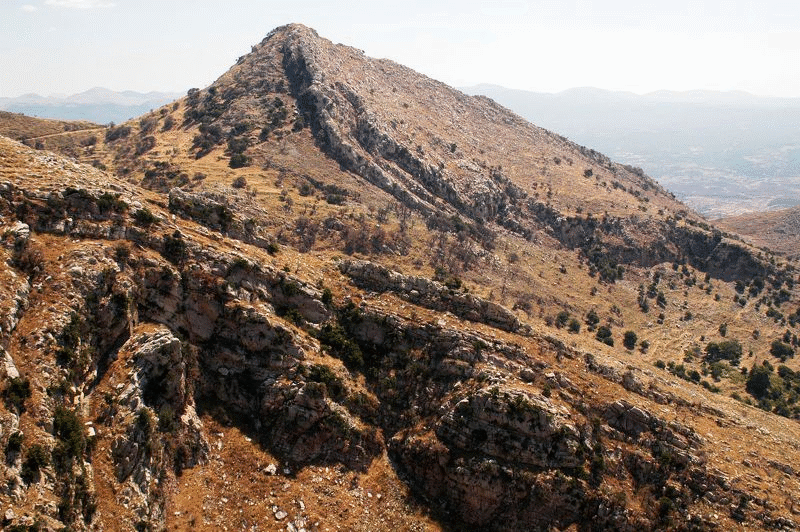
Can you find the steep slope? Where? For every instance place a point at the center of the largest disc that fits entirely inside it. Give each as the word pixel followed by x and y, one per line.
pixel 331 278
pixel 155 369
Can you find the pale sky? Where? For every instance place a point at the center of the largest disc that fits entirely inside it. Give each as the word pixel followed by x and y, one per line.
pixel 68 46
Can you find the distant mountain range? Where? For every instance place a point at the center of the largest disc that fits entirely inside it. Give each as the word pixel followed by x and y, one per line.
pixel 721 152
pixel 96 105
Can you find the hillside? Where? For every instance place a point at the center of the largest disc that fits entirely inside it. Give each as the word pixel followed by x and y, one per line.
pixel 29 129
pixel 723 153
pixel 327 292
pixel 776 230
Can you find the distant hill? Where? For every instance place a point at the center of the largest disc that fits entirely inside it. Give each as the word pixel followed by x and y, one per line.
pixel 24 128
pixel 723 153
pixel 776 230
pixel 96 105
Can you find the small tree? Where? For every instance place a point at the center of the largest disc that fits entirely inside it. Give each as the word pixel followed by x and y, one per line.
pixel 629 340
pixel 592 318
pixel 781 350
pixel 16 392
pixel 604 335
pixel 239 160
pixel 758 381
pixel 726 350
pixel 36 457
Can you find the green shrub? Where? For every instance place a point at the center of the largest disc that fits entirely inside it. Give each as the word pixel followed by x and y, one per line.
pixel 325 375
pixel 14 443
pixel 119 132
pixel 327 296
pixel 604 335
pixel 174 248
pixel 340 345
pixel 16 392
pixel 574 326
pixel 781 350
pixel 36 457
pixel 68 430
pixel 629 340
pixel 758 381
pixel 239 160
pixel 144 217
pixel 108 202
pixel 592 318
pixel 730 350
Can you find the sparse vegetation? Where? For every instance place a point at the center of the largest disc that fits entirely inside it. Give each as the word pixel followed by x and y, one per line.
pixel 16 392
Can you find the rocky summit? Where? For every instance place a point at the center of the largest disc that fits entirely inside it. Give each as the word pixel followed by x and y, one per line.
pixel 329 293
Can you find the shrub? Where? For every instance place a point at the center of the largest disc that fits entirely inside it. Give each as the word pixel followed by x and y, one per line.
pixel 239 160
pixel 730 350
pixel 209 136
pixel 119 132
pixel 144 217
pixel 239 182
pixel 169 123
pixel 68 430
pixel 14 443
pixel 574 326
pixel 108 202
pixel 174 248
pixel 36 457
pixel 27 259
pixel 562 318
pixel 144 145
pixel 604 335
pixel 327 296
pixel 325 375
pixel 781 350
pixel 758 381
pixel 122 253
pixel 629 340
pixel 340 345
pixel 17 390
pixel 167 419
pixel 237 145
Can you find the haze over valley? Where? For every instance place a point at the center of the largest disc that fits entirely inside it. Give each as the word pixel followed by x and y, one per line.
pixel 723 153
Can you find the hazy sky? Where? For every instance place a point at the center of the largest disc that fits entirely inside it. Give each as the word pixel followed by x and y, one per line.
pixel 67 46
